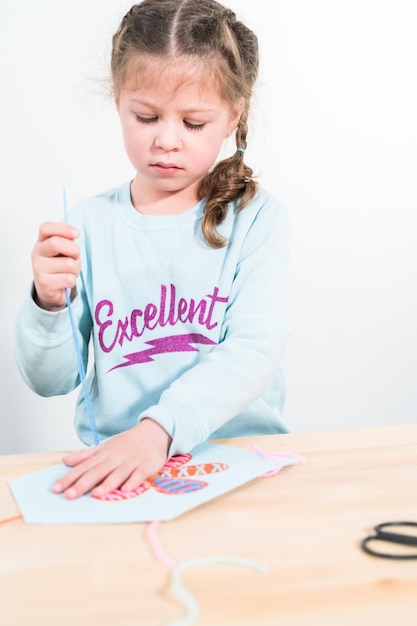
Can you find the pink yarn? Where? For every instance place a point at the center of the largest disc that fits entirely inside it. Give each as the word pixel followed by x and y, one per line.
pixel 189 602
pixel 276 459
pixel 10 519
pixel 156 546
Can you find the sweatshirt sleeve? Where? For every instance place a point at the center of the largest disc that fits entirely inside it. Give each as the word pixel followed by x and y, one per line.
pixel 254 333
pixel 44 348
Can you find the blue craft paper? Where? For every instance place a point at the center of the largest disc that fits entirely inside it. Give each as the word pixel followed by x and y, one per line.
pixel 39 505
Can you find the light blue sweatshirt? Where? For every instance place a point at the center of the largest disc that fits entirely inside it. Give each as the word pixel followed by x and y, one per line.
pixel 185 334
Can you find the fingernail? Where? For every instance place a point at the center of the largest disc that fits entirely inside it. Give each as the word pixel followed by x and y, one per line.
pixel 57 488
pixel 70 493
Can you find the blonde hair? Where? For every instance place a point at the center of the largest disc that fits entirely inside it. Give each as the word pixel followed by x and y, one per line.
pixel 207 31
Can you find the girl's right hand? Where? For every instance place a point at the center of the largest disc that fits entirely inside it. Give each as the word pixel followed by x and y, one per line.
pixel 56 264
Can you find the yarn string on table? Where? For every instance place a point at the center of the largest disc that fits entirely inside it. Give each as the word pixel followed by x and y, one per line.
pixel 11 519
pixel 176 586
pixel 276 458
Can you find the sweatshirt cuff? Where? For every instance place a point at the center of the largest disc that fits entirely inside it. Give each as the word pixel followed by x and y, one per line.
pixel 41 324
pixel 185 431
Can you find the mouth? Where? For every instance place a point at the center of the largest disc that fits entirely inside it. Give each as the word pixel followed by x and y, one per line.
pixel 166 168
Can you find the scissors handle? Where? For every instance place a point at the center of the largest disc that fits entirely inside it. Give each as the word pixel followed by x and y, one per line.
pixel 398 538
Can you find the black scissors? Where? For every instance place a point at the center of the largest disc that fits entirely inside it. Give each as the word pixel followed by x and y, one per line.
pixel 383 535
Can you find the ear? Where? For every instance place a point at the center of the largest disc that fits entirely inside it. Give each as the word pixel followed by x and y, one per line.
pixel 235 115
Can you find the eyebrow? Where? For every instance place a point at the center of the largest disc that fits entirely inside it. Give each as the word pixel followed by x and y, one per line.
pixel 152 105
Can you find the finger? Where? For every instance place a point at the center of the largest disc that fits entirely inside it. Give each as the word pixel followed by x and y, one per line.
pixel 52 277
pixel 75 474
pixel 78 457
pixel 55 247
pixel 136 478
pixel 52 293
pixel 58 265
pixel 47 270
pixel 115 480
pixel 58 229
pixel 75 484
pixel 99 480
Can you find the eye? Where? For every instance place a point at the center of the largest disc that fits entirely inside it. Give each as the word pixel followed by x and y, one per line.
pixel 145 120
pixel 191 126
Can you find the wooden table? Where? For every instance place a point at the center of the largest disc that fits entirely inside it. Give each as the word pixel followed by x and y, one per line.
pixel 304 525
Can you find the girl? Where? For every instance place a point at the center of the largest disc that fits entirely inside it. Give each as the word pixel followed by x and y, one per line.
pixel 180 276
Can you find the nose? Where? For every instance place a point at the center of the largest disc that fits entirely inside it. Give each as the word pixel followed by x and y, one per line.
pixel 168 136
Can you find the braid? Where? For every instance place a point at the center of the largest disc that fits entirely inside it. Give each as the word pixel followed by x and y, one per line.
pixel 229 180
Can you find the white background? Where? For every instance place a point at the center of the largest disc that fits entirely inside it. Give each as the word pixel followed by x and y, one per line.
pixel 333 135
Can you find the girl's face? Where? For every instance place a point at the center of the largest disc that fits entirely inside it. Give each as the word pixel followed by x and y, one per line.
pixel 173 130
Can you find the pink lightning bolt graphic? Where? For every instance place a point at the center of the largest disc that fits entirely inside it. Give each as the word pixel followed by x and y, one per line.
pixel 174 343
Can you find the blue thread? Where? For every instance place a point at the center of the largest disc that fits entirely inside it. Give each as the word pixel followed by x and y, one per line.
pixel 240 149
pixel 81 369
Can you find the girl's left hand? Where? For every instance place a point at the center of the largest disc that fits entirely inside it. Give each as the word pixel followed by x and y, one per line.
pixel 121 462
